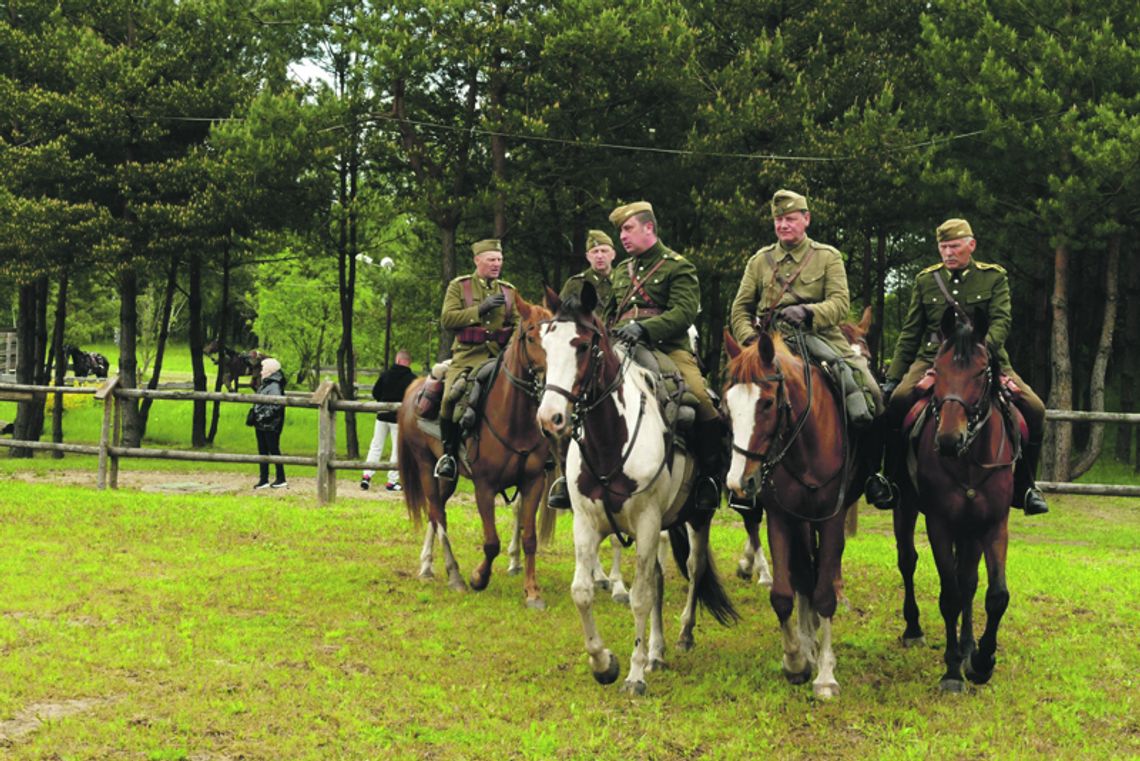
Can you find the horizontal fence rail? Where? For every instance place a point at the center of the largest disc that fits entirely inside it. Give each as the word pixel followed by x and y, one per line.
pixel 328 404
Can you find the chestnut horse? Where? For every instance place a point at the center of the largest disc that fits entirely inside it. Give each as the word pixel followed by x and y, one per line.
pixel 788 449
pixel 507 450
pixel 963 459
pixel 626 477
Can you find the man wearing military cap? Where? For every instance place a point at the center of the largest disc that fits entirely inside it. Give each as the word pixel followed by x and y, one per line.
pixel 480 309
pixel 656 297
pixel 974 285
pixel 600 254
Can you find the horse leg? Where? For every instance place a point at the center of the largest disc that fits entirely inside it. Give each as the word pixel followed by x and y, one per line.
pixel 969 555
pixel 618 590
pixel 695 565
pixel 980 666
pixel 949 600
pixel 426 571
pixel 515 567
pixel 642 600
pixel 485 499
pixel 752 558
pixel 603 663
pixel 528 503
pixel 437 517
pixel 832 537
pixel 905 517
pixel 796 668
pixel 657 624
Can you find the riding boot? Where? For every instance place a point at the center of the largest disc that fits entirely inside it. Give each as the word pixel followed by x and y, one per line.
pixel 559 496
pixel 876 488
pixel 879 489
pixel 709 436
pixel 445 466
pixel 1025 492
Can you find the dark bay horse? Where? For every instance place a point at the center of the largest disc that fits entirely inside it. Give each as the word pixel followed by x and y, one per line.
pixel 234 364
pixel 963 458
pixel 507 450
pixel 787 449
pixel 625 477
pixel 84 363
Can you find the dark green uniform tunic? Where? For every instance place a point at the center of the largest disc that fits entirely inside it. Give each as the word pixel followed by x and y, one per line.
pixel 603 284
pixel 672 288
pixel 456 315
pixel 978 285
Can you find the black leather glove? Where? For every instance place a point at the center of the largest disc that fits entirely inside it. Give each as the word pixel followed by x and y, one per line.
pixel 888 388
pixel 631 333
pixel 492 301
pixel 797 314
pixel 751 339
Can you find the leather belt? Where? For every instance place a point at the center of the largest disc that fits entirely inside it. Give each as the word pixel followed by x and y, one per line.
pixel 477 335
pixel 633 314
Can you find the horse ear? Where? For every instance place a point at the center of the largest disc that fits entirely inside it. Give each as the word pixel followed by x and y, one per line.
pixel 865 322
pixel 946 326
pixel 981 324
pixel 767 348
pixel 730 345
pixel 553 302
pixel 589 298
pixel 523 307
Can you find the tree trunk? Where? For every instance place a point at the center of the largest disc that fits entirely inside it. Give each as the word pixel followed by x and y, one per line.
pixel 497 99
pixel 24 426
pixel 1100 364
pixel 60 362
pixel 163 335
pixel 198 416
pixel 223 331
pixel 1128 361
pixel 128 361
pixel 878 323
pixel 1059 436
pixel 447 271
pixel 347 247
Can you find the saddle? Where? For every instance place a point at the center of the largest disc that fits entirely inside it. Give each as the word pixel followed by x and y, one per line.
pixel 467 392
pixel 678 405
pixel 852 397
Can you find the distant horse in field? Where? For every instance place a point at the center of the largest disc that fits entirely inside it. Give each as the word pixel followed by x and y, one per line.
pixel 84 363
pixel 507 450
pixel 789 450
pixel 627 476
pixel 963 457
pixel 234 364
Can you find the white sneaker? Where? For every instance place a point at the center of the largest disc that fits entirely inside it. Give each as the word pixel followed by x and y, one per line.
pixel 280 484
pixel 261 485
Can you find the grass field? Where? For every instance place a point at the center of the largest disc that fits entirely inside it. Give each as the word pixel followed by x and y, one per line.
pixel 141 625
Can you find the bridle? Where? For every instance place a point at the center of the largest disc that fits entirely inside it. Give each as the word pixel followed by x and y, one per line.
pixel 977 414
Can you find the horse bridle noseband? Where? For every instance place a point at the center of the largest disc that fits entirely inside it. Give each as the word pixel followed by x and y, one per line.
pixel 976 417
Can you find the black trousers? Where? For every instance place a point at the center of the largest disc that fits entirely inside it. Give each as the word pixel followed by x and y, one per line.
pixel 269 442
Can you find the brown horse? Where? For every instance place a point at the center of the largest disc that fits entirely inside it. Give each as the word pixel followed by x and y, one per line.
pixel 964 457
pixel 788 449
pixel 507 450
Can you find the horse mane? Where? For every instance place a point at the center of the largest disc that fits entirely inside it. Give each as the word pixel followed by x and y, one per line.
pixel 963 342
pixel 748 366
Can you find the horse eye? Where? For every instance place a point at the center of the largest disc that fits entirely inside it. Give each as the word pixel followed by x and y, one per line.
pixel 581 348
pixel 766 404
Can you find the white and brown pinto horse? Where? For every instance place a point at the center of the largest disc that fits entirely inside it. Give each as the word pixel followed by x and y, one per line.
pixel 625 477
pixel 788 449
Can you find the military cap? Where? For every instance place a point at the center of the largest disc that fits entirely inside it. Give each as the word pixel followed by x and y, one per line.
pixel 619 215
pixel 595 238
pixel 787 201
pixel 489 244
pixel 952 229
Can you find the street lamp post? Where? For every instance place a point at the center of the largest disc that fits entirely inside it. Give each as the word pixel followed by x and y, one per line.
pixel 388 265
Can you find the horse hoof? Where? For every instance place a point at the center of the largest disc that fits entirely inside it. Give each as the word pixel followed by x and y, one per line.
pixel 979 673
pixel 457 585
pixel 610 675
pixel 801 677
pixel 622 598
pixel 685 644
pixel 602 584
pixel 427 575
pixel 536 604
pixel 742 572
pixel 657 665
pixel 765 580
pixel 633 688
pixel 478 583
pixel 826 691
pixel 953 686
pixel 918 641
pixel 514 570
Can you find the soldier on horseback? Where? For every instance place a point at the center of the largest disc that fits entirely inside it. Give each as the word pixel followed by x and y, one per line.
pixel 480 309
pixel 957 279
pixel 805 283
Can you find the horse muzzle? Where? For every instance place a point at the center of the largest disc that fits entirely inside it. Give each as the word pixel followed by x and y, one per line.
pixel 553 418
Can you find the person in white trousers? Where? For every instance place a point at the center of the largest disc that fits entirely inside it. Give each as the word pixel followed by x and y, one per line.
pixel 390 387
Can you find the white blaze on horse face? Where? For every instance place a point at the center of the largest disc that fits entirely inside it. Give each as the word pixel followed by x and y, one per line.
pixel 741 401
pixel 561 371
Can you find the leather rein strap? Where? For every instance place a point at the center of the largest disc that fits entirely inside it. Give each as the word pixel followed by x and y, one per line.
pixel 636 285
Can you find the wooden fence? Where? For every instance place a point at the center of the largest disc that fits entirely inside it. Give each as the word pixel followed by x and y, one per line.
pixel 327 402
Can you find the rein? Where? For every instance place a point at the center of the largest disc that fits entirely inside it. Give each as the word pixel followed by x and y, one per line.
pixel 977 416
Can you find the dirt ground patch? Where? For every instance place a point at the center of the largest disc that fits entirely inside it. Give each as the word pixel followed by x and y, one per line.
pixel 31 718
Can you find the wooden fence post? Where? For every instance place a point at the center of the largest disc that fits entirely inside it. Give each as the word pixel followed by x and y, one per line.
pixel 325 394
pixel 106 395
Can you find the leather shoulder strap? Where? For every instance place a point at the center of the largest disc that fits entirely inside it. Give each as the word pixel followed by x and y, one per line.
pixel 468 293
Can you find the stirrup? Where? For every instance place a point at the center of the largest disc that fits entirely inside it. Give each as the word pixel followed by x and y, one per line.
pixel 445 467
pixel 880 492
pixel 1035 502
pixel 559 496
pixel 742 505
pixel 706 494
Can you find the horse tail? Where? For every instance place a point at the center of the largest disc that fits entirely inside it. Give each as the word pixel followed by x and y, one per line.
pixel 710 592
pixel 547 518
pixel 409 464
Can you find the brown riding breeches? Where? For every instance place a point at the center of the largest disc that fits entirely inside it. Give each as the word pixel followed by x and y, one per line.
pixel 695 382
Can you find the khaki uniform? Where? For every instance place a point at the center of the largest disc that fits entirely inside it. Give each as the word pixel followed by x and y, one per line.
pixel 666 305
pixel 603 284
pixel 457 315
pixel 979 285
pixel 821 285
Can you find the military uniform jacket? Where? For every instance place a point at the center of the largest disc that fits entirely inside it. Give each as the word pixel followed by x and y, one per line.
pixel 602 284
pixel 979 284
pixel 673 288
pixel 821 284
pixel 456 315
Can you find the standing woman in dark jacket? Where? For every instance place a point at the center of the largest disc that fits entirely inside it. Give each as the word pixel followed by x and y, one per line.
pixel 268 420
